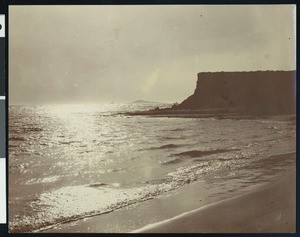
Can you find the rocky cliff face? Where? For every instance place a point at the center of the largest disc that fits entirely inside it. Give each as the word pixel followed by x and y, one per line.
pixel 259 92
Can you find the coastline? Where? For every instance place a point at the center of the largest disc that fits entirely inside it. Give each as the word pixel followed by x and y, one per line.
pixel 168 208
pixel 258 208
pixel 216 114
pixel 269 209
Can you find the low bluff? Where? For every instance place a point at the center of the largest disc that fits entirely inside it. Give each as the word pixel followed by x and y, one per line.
pixel 257 92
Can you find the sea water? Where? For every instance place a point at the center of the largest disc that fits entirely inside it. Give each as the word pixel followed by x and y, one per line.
pixel 69 162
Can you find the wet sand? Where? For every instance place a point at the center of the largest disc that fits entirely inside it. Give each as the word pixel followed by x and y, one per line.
pixel 270 209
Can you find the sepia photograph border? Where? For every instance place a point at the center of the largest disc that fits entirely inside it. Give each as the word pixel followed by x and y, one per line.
pixel 4 9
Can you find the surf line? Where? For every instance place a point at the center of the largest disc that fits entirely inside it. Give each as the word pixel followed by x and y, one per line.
pixel 185 214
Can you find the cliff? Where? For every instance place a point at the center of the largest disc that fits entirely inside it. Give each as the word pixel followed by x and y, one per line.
pixel 257 92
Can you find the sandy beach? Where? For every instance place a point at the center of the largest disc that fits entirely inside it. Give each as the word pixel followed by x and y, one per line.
pixel 269 209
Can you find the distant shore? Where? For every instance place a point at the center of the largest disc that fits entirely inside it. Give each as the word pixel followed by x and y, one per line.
pixel 173 113
pixel 270 209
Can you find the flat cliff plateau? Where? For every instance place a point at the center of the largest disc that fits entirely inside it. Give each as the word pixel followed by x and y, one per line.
pixel 238 93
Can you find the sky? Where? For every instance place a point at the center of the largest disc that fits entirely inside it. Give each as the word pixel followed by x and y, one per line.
pixel 103 54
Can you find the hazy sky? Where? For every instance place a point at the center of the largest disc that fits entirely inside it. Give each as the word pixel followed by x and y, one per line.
pixel 98 54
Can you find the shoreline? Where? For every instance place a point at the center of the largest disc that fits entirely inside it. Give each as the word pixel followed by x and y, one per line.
pixel 185 211
pixel 269 209
pixel 188 113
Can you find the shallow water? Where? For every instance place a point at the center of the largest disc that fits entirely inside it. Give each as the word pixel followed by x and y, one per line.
pixel 69 162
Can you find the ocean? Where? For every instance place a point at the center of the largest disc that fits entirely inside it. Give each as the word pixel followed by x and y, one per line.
pixel 70 162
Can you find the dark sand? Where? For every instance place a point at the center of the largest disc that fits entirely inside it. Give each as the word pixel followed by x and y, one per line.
pixel 270 209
